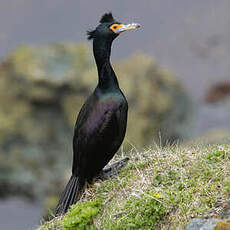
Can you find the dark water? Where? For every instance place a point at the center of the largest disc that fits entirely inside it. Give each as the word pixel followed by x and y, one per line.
pixel 212 117
pixel 17 214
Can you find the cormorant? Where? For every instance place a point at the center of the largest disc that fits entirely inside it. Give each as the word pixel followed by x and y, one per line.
pixel 101 124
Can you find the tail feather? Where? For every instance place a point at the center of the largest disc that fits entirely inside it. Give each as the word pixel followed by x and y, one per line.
pixel 74 194
pixel 70 195
pixel 65 202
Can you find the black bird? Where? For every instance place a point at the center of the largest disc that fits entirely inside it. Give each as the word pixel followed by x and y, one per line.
pixel 101 124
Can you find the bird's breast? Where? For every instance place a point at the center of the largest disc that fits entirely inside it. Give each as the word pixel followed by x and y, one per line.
pixel 101 112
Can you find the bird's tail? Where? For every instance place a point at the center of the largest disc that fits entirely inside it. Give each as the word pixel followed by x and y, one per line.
pixel 70 195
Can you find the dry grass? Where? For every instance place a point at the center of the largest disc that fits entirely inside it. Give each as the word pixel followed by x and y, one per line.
pixel 161 188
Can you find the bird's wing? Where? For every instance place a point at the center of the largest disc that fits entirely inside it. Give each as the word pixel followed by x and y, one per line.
pixel 100 128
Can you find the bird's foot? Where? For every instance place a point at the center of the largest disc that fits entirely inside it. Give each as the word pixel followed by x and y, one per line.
pixel 113 169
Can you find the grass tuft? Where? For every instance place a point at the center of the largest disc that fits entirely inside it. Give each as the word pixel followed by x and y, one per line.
pixel 161 188
pixel 138 212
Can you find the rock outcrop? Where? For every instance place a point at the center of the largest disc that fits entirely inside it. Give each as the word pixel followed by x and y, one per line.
pixel 218 92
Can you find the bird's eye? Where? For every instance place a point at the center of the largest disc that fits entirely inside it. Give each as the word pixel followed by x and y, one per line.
pixel 114 27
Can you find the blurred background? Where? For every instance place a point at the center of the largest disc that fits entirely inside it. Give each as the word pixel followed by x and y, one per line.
pixel 174 71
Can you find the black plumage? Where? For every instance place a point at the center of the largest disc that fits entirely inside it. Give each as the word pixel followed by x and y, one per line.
pixel 101 124
pixel 107 17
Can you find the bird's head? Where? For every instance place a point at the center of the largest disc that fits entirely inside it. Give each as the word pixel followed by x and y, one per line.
pixel 109 28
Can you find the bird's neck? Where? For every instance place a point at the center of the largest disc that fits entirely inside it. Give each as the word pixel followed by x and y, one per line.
pixel 106 76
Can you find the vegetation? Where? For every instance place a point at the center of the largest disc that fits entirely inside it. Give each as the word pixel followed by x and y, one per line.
pixel 161 188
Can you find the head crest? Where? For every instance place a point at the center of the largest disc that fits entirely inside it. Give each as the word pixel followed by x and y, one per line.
pixel 107 17
pixel 90 34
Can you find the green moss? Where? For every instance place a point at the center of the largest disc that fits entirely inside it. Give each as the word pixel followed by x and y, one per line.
pixel 110 185
pixel 80 215
pixel 159 189
pixel 218 156
pixel 142 212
